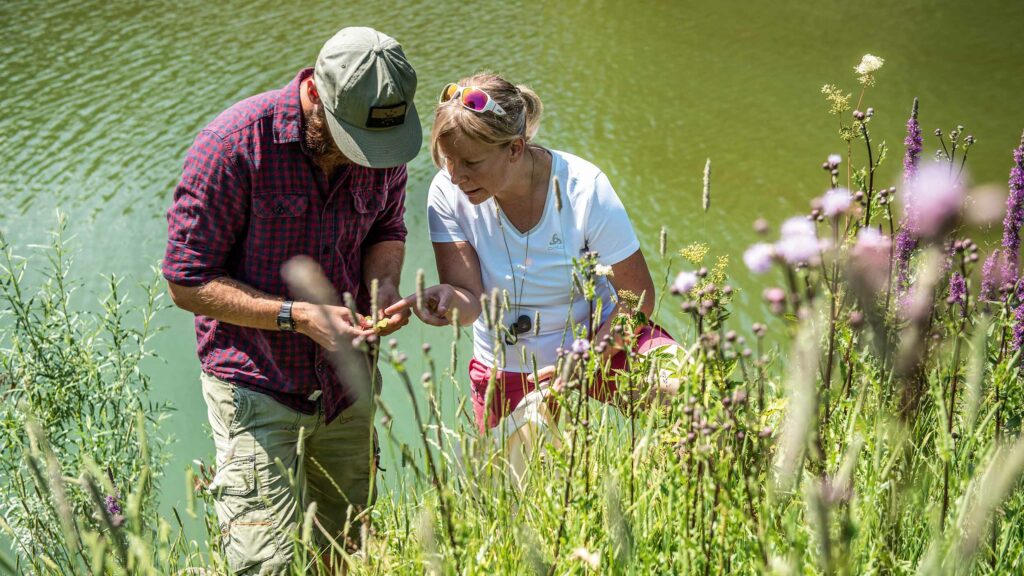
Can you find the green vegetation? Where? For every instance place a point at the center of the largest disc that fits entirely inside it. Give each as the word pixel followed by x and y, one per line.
pixel 881 435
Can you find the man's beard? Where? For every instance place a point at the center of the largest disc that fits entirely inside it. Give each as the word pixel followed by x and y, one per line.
pixel 318 139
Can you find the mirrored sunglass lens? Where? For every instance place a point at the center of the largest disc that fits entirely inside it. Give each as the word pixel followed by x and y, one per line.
pixel 449 92
pixel 474 99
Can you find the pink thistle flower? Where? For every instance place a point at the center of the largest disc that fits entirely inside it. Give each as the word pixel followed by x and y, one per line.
pixel 684 282
pixel 933 201
pixel 836 202
pixel 759 257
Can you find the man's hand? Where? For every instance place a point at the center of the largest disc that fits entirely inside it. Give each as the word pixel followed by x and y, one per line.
pixel 436 309
pixel 330 326
pixel 390 320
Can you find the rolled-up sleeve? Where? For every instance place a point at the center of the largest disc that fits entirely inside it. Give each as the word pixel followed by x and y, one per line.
pixel 390 223
pixel 210 210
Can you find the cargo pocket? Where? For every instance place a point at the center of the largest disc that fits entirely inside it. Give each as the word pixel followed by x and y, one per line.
pixel 249 536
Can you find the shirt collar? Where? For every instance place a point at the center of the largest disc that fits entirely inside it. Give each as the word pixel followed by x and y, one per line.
pixel 288 118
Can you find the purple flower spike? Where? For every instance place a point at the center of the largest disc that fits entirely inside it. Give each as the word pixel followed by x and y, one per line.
pixel 1018 329
pixel 905 242
pixel 913 144
pixel 905 245
pixel 1014 216
pixel 759 257
pixel 990 277
pixel 958 292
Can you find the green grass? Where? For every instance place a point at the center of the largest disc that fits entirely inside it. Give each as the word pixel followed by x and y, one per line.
pixel 871 440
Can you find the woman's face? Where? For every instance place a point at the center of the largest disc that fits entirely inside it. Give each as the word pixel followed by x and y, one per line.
pixel 479 170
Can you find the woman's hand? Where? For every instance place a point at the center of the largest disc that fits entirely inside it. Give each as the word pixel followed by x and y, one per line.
pixel 543 375
pixel 436 306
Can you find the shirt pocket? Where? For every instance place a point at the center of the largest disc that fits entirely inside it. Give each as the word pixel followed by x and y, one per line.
pixel 280 206
pixel 279 228
pixel 369 200
pixel 367 204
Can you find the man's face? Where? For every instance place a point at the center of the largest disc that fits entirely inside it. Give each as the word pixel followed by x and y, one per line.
pixel 318 138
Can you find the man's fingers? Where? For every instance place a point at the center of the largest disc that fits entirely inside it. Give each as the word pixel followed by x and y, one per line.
pixel 403 304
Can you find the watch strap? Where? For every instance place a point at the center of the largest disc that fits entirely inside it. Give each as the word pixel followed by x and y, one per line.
pixel 285 323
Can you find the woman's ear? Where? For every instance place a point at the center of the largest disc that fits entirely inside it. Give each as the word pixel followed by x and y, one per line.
pixel 517 148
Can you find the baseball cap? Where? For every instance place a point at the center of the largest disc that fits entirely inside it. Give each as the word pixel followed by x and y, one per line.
pixel 367 88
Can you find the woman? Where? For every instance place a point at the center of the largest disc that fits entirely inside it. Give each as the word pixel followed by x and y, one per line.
pixel 495 223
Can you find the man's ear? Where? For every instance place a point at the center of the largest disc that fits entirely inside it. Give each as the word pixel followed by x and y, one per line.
pixel 311 91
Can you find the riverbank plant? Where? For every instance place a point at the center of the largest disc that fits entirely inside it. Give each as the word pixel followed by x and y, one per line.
pixel 870 423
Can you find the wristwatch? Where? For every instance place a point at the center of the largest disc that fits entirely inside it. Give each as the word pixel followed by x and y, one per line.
pixel 284 317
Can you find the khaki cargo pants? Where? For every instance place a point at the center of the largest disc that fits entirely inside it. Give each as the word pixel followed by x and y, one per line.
pixel 257 507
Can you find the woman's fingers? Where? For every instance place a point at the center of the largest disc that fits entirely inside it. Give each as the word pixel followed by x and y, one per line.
pixel 543 374
pixel 444 298
pixel 437 300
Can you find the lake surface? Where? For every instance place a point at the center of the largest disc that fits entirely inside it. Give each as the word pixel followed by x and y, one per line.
pixel 102 99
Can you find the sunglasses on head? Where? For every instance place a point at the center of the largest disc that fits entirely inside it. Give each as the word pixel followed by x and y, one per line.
pixel 471 97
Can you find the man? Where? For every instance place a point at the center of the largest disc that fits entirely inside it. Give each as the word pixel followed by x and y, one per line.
pixel 317 169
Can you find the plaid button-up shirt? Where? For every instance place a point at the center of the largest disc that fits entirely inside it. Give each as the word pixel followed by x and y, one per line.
pixel 250 198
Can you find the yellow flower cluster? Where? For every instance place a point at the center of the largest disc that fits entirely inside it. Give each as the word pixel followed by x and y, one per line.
pixel 695 252
pixel 718 274
pixel 838 102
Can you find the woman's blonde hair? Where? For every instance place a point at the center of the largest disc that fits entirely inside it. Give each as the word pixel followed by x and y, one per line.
pixel 521 120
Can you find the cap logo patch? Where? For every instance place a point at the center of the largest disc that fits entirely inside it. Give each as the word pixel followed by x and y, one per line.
pixel 386 116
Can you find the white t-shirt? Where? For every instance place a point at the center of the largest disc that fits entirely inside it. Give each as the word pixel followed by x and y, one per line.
pixel 536 267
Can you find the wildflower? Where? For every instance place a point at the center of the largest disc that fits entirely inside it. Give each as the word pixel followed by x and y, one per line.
pixel 799 243
pixel 869 259
pixel 834 160
pixel 580 346
pixel 1014 215
pixel 797 226
pixel 759 257
pixel 958 292
pixel 912 145
pixel 694 252
pixel 603 270
pixel 868 64
pixel 113 506
pixel 838 102
pixel 776 298
pixel 1018 328
pixel 932 201
pixel 836 202
pixel 685 281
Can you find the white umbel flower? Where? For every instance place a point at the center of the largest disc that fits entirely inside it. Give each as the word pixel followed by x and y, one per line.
pixel 868 64
pixel 603 270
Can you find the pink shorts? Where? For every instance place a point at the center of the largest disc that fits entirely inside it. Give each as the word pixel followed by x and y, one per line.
pixel 511 387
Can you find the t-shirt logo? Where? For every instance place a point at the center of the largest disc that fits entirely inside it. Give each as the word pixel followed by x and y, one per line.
pixel 555 243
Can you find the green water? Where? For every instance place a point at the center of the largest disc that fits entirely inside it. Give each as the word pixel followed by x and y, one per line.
pixel 101 100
